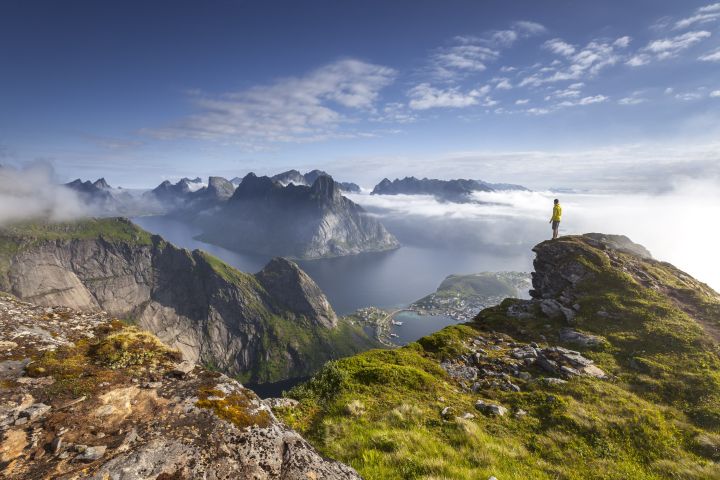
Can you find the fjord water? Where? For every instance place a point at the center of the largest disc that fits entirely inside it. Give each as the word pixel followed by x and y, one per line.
pixel 389 279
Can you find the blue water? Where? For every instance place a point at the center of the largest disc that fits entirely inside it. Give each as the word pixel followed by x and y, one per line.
pixel 387 280
pixel 416 326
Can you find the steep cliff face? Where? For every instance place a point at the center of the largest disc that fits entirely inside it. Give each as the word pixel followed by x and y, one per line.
pixel 611 370
pixel 239 323
pixel 299 221
pixel 86 396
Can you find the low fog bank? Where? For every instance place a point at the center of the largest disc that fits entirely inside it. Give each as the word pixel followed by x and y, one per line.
pixel 680 225
pixel 32 193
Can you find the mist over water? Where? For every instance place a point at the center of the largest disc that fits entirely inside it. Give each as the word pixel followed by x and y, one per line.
pixel 680 225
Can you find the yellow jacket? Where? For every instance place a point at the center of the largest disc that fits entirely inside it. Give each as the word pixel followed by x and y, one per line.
pixel 557 213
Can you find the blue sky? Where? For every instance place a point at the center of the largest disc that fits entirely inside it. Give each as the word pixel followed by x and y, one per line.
pixel 602 95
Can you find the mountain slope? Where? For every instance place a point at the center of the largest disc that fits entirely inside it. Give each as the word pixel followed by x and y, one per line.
pixel 610 371
pixel 86 396
pixel 298 221
pixel 236 322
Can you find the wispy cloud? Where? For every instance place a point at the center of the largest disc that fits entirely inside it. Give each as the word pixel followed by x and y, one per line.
pixel 713 56
pixel 706 14
pixel 576 64
pixel 665 48
pixel 468 54
pixel 635 98
pixel 425 96
pixel 502 83
pixel 296 109
pixel 559 47
pixel 590 100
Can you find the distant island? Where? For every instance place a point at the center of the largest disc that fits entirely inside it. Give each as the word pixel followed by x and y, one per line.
pixel 456 191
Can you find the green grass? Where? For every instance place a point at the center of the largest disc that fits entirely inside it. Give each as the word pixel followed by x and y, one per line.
pixel 656 418
pixel 309 347
pixel 112 229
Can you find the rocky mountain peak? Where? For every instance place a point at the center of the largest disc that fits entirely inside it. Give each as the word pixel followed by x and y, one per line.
pixel 220 188
pixel 324 187
pixel 294 290
pixel 102 184
pixel 253 186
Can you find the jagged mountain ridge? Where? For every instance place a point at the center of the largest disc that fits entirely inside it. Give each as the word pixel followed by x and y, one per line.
pixel 609 371
pixel 86 396
pixel 264 216
pixel 458 191
pixel 241 324
pixel 307 179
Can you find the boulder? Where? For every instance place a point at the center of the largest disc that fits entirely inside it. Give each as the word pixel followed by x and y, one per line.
pixel 490 408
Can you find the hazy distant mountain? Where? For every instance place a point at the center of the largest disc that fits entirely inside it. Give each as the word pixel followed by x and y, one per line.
pixel 91 191
pixel 459 190
pixel 297 178
pixel 265 216
pixel 104 200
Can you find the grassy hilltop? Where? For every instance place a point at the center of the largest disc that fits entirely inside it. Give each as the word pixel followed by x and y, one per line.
pixel 647 408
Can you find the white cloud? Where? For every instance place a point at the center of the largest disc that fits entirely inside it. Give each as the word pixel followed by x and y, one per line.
pixel 567 93
pixel 502 83
pixel 706 14
pixel 584 63
pixel 559 47
pixel 715 94
pixel 31 193
pixel 469 54
pixel 297 109
pixel 639 60
pixel 537 111
pixel 689 96
pixel 529 28
pixel 622 42
pixel 395 112
pixel 522 101
pixel 590 100
pixel 447 61
pixel 713 7
pixel 632 100
pixel 504 38
pixel 425 96
pixel 713 56
pixel 671 47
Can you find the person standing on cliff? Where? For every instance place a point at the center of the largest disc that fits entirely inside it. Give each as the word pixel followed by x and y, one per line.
pixel 555 219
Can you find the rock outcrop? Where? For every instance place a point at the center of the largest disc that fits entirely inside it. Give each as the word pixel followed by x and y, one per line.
pixel 298 221
pixel 97 399
pixel 294 290
pixel 240 323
